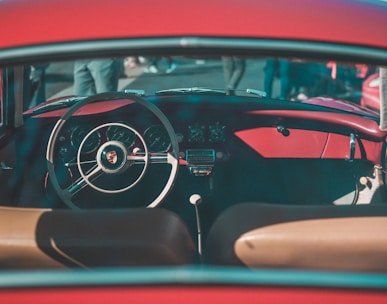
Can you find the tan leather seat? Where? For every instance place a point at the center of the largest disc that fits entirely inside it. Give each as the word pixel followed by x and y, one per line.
pixel 44 238
pixel 349 238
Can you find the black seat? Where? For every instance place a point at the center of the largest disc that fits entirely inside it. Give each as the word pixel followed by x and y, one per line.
pixel 257 235
pixel 44 238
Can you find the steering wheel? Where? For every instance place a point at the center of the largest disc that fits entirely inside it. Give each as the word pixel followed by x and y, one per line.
pixel 112 156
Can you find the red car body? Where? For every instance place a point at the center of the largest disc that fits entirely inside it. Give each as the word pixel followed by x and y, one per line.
pixel 43 24
pixel 370 92
pixel 345 21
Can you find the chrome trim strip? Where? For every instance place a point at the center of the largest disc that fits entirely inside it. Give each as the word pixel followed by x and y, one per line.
pixel 185 45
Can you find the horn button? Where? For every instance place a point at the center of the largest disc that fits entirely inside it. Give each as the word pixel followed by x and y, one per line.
pixel 112 157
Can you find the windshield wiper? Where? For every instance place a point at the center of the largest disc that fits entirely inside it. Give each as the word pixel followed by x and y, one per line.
pixel 200 90
pixel 256 92
pixel 135 92
pixel 193 90
pixel 57 105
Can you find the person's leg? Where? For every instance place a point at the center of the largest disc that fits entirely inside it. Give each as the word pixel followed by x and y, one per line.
pixel 284 78
pixel 38 81
pixel 237 73
pixel 228 67
pixel 106 74
pixel 171 65
pixel 269 76
pixel 83 80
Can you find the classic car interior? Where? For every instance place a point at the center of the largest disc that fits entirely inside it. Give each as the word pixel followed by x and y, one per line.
pixel 191 176
pixel 193 151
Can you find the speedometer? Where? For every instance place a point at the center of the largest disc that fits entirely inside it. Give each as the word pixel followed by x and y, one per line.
pixel 157 139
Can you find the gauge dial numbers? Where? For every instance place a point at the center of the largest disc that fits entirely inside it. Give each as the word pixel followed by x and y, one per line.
pixel 217 133
pixel 196 133
pixel 157 139
pixel 121 134
pixel 78 133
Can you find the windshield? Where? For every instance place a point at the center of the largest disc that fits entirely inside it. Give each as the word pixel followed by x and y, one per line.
pixel 326 83
pixel 186 159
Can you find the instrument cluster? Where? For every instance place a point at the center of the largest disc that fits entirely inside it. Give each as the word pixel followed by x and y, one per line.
pixel 210 133
pixel 155 136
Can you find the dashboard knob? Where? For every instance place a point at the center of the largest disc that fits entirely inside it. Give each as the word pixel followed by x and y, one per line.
pixel 136 150
pixel 195 199
pixel 284 131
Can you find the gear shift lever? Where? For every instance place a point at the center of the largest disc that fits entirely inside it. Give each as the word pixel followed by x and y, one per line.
pixel 196 200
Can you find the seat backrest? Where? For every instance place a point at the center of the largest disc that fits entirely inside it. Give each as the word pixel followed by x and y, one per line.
pixel 255 235
pixel 44 238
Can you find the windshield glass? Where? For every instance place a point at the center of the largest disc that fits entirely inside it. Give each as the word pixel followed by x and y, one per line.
pixel 290 79
pixel 134 154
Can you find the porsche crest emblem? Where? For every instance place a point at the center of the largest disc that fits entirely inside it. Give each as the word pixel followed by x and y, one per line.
pixel 111 157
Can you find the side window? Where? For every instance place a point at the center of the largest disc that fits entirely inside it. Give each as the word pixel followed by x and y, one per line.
pixel 1 100
pixel 14 96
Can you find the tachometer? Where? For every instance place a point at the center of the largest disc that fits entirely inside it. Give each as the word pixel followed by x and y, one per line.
pixel 121 134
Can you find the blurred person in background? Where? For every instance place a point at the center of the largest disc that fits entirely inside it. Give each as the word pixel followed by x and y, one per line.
pixel 233 69
pixel 274 67
pixel 92 76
